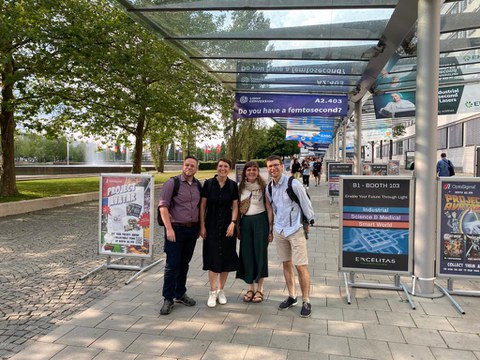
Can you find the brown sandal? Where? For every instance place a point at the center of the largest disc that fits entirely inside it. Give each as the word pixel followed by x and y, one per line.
pixel 258 297
pixel 248 296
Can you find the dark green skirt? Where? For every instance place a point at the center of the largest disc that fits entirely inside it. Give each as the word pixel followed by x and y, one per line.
pixel 253 263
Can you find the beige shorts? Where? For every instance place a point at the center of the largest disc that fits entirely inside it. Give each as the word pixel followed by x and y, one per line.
pixel 293 247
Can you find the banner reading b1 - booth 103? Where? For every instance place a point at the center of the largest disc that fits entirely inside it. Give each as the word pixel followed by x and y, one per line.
pixel 375 235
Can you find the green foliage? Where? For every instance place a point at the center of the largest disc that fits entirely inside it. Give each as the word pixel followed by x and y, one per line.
pixel 273 143
pixel 398 130
pixel 38 149
pixel 36 189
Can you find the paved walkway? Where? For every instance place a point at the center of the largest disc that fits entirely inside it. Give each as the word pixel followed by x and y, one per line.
pixel 38 284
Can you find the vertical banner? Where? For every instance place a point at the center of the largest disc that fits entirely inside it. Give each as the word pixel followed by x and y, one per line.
pixel 126 217
pixel 238 172
pixel 334 172
pixel 458 227
pixel 375 233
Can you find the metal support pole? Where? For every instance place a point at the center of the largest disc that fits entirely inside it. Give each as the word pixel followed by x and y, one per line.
pixel 426 144
pixel 336 146
pixel 358 139
pixel 344 142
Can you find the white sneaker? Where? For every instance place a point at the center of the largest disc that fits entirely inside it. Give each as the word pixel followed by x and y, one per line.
pixel 222 299
pixel 212 298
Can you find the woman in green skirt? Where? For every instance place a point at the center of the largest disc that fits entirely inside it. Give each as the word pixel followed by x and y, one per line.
pixel 255 232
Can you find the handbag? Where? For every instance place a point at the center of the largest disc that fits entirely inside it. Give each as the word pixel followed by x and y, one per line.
pixel 245 204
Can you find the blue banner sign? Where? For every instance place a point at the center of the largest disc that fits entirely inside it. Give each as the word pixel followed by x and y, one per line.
pixel 253 105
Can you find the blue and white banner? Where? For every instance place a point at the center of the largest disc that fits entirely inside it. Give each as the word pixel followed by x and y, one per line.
pixel 253 105
pixel 312 136
pixel 451 100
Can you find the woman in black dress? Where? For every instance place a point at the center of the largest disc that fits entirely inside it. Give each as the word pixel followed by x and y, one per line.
pixel 218 215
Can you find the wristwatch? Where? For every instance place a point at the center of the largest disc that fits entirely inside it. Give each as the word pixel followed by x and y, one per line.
pixel 312 222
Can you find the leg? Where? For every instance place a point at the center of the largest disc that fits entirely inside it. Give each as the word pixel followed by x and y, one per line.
pixel 171 269
pixel 260 284
pixel 223 279
pixel 304 280
pixel 213 278
pixel 289 278
pixel 187 241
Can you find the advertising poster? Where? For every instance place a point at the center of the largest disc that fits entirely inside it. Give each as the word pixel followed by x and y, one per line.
pixel 451 100
pixel 334 172
pixel 375 169
pixel 254 105
pixel 393 167
pixel 238 172
pixel 459 228
pixel 375 232
pixel 126 217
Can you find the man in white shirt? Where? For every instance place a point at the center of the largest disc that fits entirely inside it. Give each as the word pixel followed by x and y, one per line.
pixel 397 105
pixel 288 232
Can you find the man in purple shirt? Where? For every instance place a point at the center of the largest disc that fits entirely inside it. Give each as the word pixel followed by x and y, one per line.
pixel 180 216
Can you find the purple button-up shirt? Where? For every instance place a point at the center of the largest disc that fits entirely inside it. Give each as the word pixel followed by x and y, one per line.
pixel 183 208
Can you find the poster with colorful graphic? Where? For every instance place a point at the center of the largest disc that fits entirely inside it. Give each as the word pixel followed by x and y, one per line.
pixel 334 172
pixel 375 169
pixel 375 233
pixel 126 216
pixel 458 227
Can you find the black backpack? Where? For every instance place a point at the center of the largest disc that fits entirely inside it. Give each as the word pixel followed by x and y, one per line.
pixel 176 186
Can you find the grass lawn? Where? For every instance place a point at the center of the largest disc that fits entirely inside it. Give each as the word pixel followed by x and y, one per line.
pixel 36 189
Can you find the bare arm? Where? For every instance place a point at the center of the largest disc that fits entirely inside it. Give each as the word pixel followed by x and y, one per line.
pixel 203 206
pixel 168 224
pixel 231 226
pixel 268 206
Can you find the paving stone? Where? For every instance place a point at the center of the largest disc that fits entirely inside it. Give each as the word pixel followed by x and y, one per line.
pixel 383 332
pixel 324 344
pixel 114 340
pixel 186 349
pixel 290 340
pixel 344 328
pixel 249 336
pixel 449 354
pixel 425 337
pixel 409 351
pixel 217 332
pixel 221 351
pixel 77 353
pixel 461 341
pixel 369 349
pixel 150 344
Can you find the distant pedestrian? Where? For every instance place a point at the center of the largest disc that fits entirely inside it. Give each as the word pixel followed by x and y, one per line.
pixel 445 166
pixel 295 169
pixel 317 170
pixel 306 173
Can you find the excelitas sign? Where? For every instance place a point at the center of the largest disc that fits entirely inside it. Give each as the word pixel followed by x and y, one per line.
pixel 254 105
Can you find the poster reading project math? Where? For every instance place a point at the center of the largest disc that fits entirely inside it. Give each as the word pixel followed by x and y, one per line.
pixel 126 216
pixel 375 231
pixel 459 228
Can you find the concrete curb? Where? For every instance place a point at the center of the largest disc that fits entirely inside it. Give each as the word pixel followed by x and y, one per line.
pixel 27 206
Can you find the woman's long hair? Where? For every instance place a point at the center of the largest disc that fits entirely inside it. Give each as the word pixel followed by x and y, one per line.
pixel 244 177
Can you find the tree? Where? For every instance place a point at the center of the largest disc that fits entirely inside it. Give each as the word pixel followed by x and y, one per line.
pixel 274 143
pixel 29 47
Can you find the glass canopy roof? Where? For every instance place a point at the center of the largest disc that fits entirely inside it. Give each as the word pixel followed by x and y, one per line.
pixel 332 47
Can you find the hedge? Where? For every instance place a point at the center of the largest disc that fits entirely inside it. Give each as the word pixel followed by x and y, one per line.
pixel 212 165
